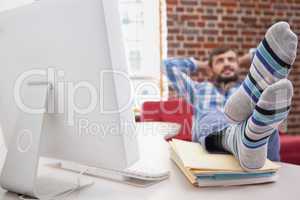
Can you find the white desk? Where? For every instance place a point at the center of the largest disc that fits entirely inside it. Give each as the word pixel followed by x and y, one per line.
pixel 177 187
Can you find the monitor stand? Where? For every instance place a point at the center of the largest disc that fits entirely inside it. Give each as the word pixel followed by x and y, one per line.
pixel 20 170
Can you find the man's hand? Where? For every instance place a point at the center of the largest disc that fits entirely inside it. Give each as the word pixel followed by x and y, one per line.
pixel 203 71
pixel 245 61
pixel 202 64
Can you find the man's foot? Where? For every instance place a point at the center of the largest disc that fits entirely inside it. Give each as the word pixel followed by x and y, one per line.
pixel 248 141
pixel 272 62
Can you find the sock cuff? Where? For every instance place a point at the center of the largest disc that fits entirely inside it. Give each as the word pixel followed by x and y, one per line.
pixel 214 142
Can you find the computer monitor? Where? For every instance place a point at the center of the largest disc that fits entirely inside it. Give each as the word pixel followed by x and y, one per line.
pixel 67 56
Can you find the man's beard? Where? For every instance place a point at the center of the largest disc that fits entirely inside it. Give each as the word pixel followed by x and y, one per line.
pixel 225 80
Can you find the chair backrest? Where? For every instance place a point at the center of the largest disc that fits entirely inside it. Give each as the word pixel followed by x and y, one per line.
pixel 290 148
pixel 178 111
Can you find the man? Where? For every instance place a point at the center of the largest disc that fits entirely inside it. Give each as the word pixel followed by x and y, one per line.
pixel 241 118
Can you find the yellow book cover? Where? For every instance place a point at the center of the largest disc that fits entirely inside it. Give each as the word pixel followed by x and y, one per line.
pixel 194 157
pixel 190 176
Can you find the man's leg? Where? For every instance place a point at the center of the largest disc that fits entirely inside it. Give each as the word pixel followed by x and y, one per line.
pixel 274 147
pixel 206 124
pixel 248 141
pixel 209 129
pixel 272 62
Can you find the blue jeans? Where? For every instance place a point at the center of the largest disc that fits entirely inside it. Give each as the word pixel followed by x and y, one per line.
pixel 213 121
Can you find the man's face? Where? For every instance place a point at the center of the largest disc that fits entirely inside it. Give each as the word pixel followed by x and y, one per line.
pixel 225 67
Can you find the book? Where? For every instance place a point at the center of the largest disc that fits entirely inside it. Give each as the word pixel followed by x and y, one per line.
pixel 205 169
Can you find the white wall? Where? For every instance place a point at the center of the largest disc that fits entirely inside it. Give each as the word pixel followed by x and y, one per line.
pixel 10 4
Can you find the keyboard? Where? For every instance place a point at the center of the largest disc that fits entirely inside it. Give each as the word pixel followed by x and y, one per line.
pixel 139 172
pixel 146 171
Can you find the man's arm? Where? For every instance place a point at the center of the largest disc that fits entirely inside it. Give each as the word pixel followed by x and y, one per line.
pixel 177 71
pixel 245 60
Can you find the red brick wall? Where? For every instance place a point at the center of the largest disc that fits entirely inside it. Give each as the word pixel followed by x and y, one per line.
pixel 196 26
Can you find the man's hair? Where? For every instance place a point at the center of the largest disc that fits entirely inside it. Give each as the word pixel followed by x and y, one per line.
pixel 217 51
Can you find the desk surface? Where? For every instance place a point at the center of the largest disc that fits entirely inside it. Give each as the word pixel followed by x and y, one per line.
pixel 177 186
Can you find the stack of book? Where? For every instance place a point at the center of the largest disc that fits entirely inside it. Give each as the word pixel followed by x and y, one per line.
pixel 204 169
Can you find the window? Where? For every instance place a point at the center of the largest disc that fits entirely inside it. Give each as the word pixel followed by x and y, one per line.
pixel 140 25
pixel 141 31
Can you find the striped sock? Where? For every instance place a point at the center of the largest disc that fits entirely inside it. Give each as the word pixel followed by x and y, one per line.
pixel 271 63
pixel 248 140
